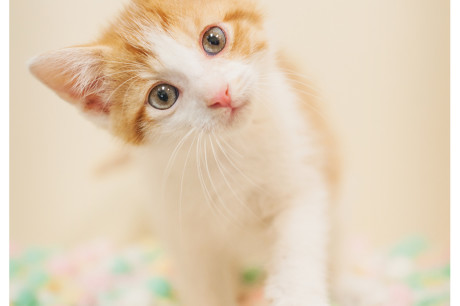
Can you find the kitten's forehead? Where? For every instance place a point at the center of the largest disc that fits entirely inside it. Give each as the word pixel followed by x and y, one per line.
pixel 160 41
pixel 173 55
pixel 173 13
pixel 185 20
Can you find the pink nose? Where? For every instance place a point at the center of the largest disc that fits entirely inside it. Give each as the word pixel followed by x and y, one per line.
pixel 221 99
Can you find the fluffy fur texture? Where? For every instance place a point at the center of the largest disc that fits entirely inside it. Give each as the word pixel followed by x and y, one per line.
pixel 228 186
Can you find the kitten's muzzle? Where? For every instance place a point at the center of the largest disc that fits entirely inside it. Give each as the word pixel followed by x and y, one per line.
pixel 221 99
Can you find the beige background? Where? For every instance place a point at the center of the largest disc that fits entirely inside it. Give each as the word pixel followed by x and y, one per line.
pixel 381 66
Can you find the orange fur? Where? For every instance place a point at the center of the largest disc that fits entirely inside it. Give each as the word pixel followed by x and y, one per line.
pixel 129 55
pixel 160 42
pixel 125 36
pixel 313 112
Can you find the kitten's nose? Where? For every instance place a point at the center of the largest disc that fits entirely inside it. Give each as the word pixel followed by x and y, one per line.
pixel 221 99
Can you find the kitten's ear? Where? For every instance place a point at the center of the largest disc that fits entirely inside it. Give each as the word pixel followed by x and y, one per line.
pixel 76 75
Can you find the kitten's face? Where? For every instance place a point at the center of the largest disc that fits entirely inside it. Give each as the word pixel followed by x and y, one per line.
pixel 166 67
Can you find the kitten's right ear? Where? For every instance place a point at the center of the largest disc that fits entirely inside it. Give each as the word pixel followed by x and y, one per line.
pixel 76 75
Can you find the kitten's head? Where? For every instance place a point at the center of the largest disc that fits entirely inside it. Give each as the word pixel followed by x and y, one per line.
pixel 165 67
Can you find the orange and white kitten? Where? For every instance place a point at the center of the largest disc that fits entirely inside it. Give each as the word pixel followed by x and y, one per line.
pixel 233 158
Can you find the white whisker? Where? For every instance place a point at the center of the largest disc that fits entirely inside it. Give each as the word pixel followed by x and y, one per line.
pixel 119 86
pixel 182 185
pixel 105 75
pixel 171 159
pixel 200 175
pixel 216 192
pixel 126 94
pixel 227 182
pixel 229 146
pixel 235 167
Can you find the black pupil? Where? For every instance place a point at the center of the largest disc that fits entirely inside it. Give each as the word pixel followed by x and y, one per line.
pixel 163 95
pixel 213 40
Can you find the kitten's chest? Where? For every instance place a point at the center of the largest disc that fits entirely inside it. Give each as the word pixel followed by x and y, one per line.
pixel 210 179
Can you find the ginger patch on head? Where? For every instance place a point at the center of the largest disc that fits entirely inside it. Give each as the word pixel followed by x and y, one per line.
pixel 158 42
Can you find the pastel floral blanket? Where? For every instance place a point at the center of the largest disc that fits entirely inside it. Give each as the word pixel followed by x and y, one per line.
pixel 405 274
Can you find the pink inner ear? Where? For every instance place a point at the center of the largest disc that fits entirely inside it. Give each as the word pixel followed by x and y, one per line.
pixel 75 75
pixel 91 101
pixel 95 104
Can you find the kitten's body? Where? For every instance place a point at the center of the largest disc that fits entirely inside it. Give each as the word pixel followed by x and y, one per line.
pixel 227 188
pixel 230 211
pixel 227 204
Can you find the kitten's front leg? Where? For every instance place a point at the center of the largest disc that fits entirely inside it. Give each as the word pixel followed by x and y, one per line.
pixel 297 275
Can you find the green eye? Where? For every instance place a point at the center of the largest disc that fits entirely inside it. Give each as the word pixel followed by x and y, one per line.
pixel 163 96
pixel 214 40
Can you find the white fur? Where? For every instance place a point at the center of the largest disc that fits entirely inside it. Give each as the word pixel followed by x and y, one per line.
pixel 230 192
pixel 225 196
pixel 198 78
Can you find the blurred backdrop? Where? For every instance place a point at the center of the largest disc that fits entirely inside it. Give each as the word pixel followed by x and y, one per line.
pixel 382 68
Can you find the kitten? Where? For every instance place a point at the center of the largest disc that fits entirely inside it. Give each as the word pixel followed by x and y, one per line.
pixel 234 154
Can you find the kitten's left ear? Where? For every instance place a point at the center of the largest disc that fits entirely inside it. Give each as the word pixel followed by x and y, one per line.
pixel 76 75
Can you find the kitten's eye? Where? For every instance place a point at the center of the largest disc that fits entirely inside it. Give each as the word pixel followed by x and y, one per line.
pixel 214 40
pixel 163 96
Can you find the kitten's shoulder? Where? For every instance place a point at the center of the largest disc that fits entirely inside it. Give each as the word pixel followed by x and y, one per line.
pixel 312 111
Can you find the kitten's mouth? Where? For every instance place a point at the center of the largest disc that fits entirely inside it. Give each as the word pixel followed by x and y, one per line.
pixel 234 113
